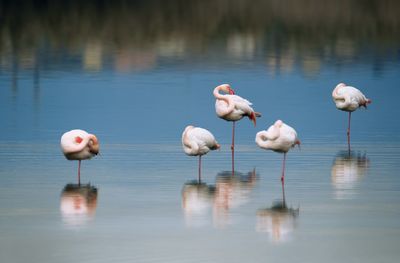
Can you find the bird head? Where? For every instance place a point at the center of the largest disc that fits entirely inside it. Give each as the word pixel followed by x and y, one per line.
pixel 227 89
pixel 93 144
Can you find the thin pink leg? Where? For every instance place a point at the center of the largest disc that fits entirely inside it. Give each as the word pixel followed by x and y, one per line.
pixel 283 176
pixel 348 132
pixel 79 173
pixel 233 148
pixel 199 168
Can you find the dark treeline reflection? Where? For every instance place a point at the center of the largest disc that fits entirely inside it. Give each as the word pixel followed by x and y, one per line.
pixel 133 34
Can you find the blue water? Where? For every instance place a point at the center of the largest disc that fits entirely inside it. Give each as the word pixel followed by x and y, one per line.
pixel 138 97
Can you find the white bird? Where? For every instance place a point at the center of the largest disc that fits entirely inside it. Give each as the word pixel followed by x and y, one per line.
pixel 231 107
pixel 79 145
pixel 279 137
pixel 349 99
pixel 197 142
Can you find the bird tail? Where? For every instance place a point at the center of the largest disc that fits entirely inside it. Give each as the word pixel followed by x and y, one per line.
pixel 297 143
pixel 216 147
pixel 368 101
pixel 253 117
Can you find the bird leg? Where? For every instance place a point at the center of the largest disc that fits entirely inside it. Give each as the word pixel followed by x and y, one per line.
pixel 283 178
pixel 79 173
pixel 199 169
pixel 233 148
pixel 283 193
pixel 348 132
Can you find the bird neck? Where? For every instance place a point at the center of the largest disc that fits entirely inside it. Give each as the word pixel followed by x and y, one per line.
pixel 189 146
pixel 224 97
pixel 225 88
pixel 262 139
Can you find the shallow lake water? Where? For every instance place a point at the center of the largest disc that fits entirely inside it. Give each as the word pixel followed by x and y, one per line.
pixel 136 74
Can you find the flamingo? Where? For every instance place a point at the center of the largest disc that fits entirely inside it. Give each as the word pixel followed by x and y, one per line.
pixel 279 137
pixel 79 145
pixel 231 107
pixel 197 141
pixel 349 99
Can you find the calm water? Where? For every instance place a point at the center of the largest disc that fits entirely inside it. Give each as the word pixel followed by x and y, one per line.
pixel 136 74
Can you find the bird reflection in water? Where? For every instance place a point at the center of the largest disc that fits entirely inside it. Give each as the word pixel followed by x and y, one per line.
pixel 278 221
pixel 347 170
pixel 231 192
pixel 78 204
pixel 197 199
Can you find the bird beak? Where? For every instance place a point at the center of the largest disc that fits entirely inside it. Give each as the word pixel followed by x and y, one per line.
pixel 231 91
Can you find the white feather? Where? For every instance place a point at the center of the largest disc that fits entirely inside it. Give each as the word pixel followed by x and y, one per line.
pixel 198 141
pixel 348 98
pixel 279 137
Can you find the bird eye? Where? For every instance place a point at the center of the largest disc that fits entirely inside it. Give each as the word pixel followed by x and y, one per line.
pixel 78 139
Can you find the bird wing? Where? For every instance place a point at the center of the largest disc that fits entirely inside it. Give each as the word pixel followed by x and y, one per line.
pixel 242 104
pixel 204 138
pixel 289 135
pixel 220 107
pixel 239 99
pixel 356 95
pixel 68 143
pixel 272 133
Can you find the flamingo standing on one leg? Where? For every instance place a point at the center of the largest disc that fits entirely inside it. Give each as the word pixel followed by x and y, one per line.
pixel 349 99
pixel 79 145
pixel 231 107
pixel 197 142
pixel 279 137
